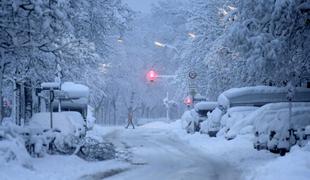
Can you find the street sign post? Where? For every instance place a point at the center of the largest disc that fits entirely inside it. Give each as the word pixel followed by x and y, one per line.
pixel 192 74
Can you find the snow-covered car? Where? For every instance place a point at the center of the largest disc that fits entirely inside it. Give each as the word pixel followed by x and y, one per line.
pixel 277 130
pixel 196 116
pixel 68 123
pixel 68 127
pixel 235 121
pixel 250 96
pixel 190 121
pixel 203 108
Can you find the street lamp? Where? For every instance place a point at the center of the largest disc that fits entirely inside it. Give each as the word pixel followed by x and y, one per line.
pixel 120 40
pixel 159 44
pixel 162 45
pixel 192 35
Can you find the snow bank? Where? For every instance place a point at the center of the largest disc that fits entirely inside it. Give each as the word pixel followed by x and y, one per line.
pixel 12 146
pixel 294 165
pixel 143 121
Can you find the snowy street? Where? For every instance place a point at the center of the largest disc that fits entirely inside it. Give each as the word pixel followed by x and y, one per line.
pixel 159 153
pixel 154 90
pixel 164 151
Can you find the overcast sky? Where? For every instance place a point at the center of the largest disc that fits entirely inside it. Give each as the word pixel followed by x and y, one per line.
pixel 140 5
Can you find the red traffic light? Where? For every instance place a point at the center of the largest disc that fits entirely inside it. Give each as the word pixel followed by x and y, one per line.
pixel 151 75
pixel 188 101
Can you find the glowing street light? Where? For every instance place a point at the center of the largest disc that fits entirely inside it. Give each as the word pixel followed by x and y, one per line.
pixel 120 40
pixel 188 100
pixel 162 45
pixel 159 44
pixel 192 35
pixel 151 75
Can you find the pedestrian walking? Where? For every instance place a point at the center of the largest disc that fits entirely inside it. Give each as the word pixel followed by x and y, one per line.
pixel 130 118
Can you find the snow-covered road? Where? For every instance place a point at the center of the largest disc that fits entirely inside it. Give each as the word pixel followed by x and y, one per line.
pixel 158 153
pixel 163 151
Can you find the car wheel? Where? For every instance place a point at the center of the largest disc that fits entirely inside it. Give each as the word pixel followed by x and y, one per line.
pixel 282 152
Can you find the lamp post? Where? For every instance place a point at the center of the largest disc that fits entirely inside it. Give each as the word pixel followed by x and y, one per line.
pixel 163 45
pixel 192 35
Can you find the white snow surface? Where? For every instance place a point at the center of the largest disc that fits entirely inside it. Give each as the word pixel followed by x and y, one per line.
pixel 164 151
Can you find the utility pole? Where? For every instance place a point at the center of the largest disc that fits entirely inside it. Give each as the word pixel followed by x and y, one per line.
pixel 167 104
pixel 51 107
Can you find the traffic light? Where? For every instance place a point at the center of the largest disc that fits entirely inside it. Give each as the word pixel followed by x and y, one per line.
pixel 152 75
pixel 188 101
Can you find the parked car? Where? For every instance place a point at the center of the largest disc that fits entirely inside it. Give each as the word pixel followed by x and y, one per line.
pixel 277 131
pixel 255 96
pixel 235 121
pixel 196 116
pixel 189 119
pixel 68 123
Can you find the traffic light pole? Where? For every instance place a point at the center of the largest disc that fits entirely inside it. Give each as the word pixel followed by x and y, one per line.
pixel 167 76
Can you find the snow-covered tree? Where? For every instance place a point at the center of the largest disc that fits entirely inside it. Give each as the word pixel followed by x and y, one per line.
pixel 272 37
pixel 37 35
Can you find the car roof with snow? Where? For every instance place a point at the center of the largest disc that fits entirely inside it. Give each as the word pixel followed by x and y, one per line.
pixel 66 122
pixel 274 115
pixel 205 105
pixel 260 95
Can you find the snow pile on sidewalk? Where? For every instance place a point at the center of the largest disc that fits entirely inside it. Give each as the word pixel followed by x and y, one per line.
pixel 253 165
pixel 143 121
pixel 12 146
pixel 295 165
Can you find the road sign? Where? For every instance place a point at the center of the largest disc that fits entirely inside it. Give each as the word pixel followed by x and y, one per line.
pixel 192 74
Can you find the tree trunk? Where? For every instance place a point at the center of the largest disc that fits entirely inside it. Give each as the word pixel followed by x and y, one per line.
pixel 1 84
